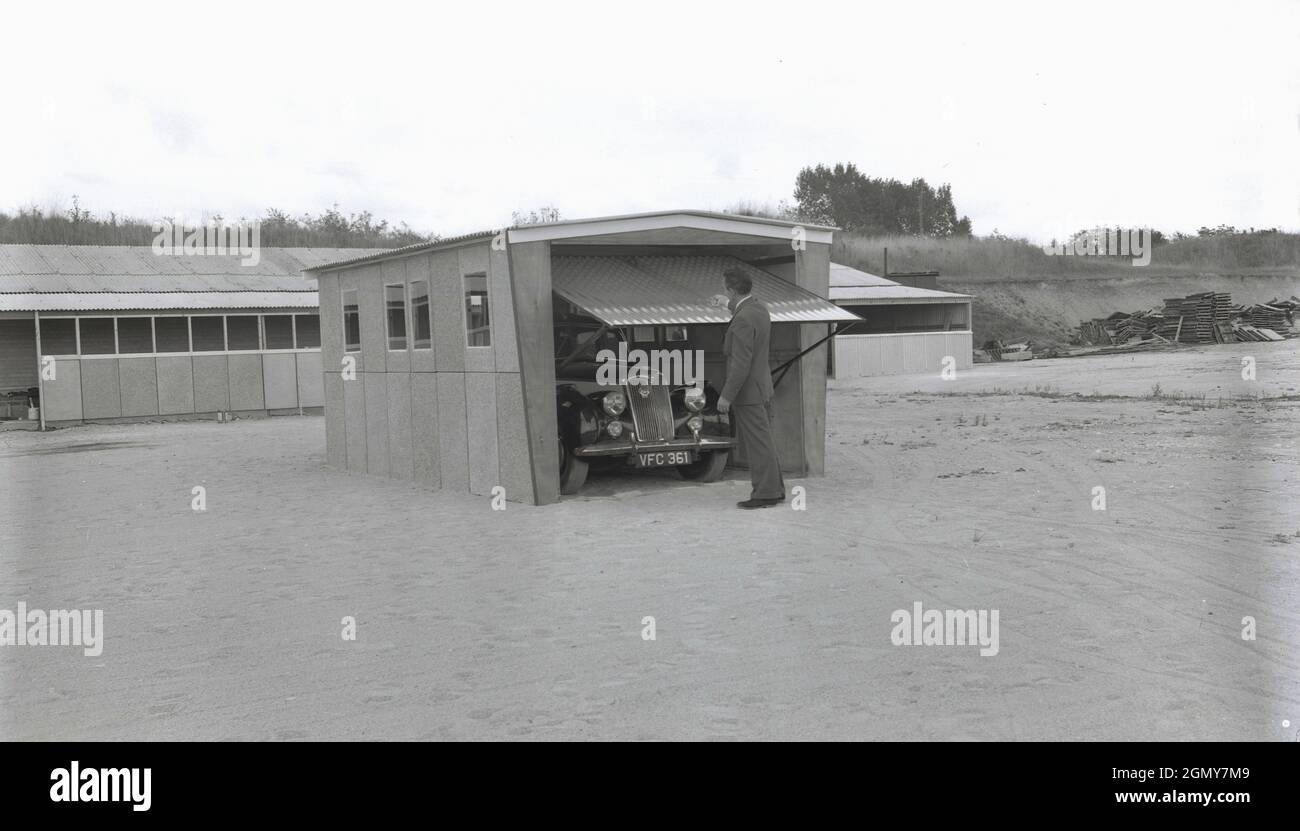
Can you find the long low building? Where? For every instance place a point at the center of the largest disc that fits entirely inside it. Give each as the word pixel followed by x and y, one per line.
pixel 125 333
pixel 904 329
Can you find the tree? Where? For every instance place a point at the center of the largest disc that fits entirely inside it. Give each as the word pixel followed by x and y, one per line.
pixel 843 196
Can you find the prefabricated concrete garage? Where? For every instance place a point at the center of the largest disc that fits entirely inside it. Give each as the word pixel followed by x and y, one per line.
pixel 439 358
pixel 128 333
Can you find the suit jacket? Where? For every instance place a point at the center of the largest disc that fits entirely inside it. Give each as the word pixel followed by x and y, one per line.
pixel 746 347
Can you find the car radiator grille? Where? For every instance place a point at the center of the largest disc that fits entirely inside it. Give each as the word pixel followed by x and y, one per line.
pixel 652 416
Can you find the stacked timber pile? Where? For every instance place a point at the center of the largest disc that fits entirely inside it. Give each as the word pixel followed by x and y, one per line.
pixel 1122 327
pixel 1278 315
pixel 1205 317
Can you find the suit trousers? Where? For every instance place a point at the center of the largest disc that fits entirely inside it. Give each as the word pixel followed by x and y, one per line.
pixel 754 424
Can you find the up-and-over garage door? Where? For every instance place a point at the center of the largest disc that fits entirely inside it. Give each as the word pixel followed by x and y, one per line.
pixel 649 290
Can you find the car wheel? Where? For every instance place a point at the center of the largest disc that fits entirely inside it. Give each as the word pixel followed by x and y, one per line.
pixel 708 469
pixel 573 472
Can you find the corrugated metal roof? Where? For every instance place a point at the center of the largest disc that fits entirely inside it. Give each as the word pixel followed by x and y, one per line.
pixel 129 283
pixel 113 301
pixel 643 291
pixel 122 261
pixel 375 256
pixel 843 275
pixel 892 294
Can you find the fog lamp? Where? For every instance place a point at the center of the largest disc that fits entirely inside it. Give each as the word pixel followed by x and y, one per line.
pixel 695 423
pixel 614 428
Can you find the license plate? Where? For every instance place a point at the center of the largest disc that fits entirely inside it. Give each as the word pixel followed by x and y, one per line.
pixel 665 458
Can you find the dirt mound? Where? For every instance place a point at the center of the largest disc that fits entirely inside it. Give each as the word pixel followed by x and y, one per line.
pixel 1049 311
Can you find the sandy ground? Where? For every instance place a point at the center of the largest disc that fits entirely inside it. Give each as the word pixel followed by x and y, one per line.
pixel 526 624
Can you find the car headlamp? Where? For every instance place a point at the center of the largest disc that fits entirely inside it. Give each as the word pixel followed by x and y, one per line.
pixel 614 403
pixel 694 399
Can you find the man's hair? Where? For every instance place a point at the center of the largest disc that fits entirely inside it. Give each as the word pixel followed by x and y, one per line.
pixel 737 280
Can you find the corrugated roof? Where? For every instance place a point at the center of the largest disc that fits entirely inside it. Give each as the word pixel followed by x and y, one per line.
pixel 108 277
pixel 843 275
pixel 114 301
pixel 124 261
pixel 372 256
pixel 643 291
pixel 131 283
pixel 851 284
pixel 869 295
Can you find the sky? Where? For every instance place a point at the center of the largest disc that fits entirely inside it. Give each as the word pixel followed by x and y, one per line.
pixel 1044 118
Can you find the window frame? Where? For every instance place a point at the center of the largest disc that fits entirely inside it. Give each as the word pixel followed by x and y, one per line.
pixel 428 314
pixel 388 319
pixel 343 295
pixel 466 304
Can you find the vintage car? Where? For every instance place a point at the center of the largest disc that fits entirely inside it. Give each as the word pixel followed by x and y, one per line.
pixel 642 423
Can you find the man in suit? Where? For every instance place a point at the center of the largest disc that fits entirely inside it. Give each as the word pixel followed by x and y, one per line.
pixel 747 394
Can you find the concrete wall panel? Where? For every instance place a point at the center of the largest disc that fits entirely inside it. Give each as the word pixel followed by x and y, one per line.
pixel 530 283
pixel 62 396
pixel 424 429
pixel 400 462
pixel 336 448
pixel 139 380
pixel 377 423
pixel 512 439
pixel 310 391
pixel 373 342
pixel 175 384
pixel 481 404
pixel 211 384
pixel 101 394
pixel 860 356
pixel 280 380
pixel 331 321
pixel 246 384
pixel 453 440
pixel 506 351
pixel 354 404
pixel 448 300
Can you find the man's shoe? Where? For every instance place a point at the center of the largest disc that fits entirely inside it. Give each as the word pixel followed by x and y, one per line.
pixel 750 504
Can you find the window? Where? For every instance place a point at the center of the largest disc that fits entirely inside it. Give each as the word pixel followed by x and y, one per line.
pixel 420 322
pixel 395 316
pixel 278 330
pixel 209 333
pixel 59 336
pixel 242 333
pixel 134 335
pixel 676 334
pixel 351 322
pixel 172 333
pixel 306 331
pixel 478 326
pixel 643 334
pixel 97 336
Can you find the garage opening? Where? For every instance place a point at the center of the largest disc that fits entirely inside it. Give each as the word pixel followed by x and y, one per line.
pixel 658 308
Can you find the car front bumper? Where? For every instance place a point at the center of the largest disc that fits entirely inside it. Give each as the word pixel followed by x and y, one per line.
pixel 627 447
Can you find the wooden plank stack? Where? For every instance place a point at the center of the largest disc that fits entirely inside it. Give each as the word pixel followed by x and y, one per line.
pixel 1205 317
